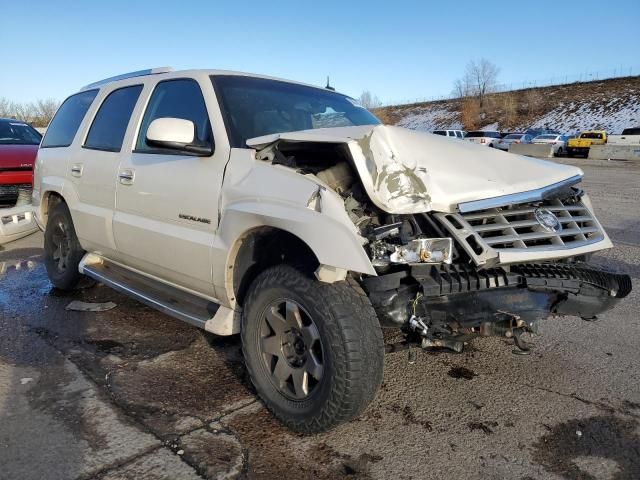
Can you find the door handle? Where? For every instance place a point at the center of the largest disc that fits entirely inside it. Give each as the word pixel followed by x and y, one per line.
pixel 76 170
pixel 126 177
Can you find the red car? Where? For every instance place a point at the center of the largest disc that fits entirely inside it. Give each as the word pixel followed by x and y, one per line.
pixel 18 148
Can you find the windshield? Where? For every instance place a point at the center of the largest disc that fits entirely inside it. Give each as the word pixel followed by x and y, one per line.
pixel 631 131
pixel 14 132
pixel 513 136
pixel 253 107
pixel 591 135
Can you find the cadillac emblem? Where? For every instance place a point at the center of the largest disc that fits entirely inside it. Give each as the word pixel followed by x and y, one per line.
pixel 547 220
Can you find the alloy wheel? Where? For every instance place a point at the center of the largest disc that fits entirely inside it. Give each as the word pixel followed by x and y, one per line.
pixel 61 240
pixel 291 349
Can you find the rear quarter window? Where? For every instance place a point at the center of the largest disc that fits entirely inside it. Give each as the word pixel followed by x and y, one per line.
pixel 110 123
pixel 65 123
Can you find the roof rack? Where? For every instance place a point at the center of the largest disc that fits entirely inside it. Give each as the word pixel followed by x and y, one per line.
pixel 139 73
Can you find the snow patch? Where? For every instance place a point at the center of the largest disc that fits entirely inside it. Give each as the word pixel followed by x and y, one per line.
pixel 427 119
pixel 614 116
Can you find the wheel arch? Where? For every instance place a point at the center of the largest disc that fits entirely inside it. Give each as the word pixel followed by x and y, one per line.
pixel 260 248
pixel 50 199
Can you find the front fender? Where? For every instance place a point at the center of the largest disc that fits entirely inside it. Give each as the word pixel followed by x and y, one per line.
pixel 257 194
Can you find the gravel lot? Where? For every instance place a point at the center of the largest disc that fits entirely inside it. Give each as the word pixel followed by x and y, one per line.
pixel 132 393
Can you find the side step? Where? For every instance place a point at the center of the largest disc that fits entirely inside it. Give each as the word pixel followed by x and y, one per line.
pixel 193 309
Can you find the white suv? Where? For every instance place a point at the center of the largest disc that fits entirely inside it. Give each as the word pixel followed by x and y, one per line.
pixel 287 213
pixel 484 138
pixel 449 133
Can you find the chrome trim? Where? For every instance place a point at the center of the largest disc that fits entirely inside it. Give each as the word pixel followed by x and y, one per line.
pixel 516 198
pixel 138 73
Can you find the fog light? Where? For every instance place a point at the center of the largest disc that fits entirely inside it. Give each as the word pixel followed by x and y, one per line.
pixel 424 250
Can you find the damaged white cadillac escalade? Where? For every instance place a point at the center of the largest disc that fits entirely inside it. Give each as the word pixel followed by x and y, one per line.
pixel 287 213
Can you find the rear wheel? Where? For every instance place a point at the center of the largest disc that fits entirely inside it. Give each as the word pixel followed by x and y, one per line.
pixel 314 351
pixel 62 250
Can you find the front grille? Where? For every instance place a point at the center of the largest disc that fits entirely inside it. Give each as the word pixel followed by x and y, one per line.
pixel 516 226
pixel 9 194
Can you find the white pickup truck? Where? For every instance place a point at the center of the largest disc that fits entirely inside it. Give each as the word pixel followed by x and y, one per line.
pixel 288 214
pixel 629 136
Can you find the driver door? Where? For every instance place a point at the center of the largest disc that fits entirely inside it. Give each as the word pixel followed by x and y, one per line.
pixel 167 201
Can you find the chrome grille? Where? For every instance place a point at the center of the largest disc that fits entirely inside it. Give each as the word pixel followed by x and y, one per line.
pixel 516 227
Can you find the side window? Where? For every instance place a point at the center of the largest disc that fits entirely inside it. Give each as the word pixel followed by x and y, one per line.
pixel 110 123
pixel 67 119
pixel 178 99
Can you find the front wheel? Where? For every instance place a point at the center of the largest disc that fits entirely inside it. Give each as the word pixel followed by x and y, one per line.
pixel 62 250
pixel 314 351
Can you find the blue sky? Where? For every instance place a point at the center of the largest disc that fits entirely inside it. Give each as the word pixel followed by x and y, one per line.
pixel 399 50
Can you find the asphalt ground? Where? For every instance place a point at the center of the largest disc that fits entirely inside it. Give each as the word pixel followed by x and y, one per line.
pixel 133 394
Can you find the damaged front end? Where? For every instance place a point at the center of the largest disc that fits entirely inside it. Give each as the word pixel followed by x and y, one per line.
pixel 467 291
pixel 484 243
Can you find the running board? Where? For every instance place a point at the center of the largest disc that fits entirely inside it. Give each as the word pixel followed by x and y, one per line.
pixel 193 309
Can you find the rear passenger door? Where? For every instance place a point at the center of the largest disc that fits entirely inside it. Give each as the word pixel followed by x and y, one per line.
pixel 167 201
pixel 94 172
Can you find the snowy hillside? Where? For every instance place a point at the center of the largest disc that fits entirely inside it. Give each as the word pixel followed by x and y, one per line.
pixel 611 105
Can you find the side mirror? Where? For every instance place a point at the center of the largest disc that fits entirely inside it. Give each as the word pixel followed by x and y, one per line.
pixel 176 134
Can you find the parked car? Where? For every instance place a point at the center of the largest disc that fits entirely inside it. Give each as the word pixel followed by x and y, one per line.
pixel 504 143
pixel 18 147
pixel 629 136
pixel 450 133
pixel 534 132
pixel 559 142
pixel 582 144
pixel 480 137
pixel 239 211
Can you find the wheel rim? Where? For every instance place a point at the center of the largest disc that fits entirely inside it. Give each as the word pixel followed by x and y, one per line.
pixel 290 347
pixel 61 240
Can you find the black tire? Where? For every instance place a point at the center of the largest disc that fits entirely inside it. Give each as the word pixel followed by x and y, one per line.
pixel 348 335
pixel 559 152
pixel 62 250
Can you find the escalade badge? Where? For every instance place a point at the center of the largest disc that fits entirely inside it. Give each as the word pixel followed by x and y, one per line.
pixel 547 220
pixel 184 216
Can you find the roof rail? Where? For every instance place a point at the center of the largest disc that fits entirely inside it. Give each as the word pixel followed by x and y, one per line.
pixel 139 73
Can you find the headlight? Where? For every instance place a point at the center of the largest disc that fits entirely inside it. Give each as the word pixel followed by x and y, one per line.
pixel 419 250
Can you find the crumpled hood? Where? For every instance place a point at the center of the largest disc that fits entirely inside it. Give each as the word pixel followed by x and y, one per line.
pixel 404 171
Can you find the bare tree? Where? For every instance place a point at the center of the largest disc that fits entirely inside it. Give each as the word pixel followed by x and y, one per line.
pixel 480 78
pixel 38 113
pixel 369 101
pixel 5 107
pixel 46 109
pixel 461 88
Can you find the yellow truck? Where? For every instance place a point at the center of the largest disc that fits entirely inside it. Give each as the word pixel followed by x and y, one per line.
pixel 581 145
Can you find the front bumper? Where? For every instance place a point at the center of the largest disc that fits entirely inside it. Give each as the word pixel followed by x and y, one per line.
pixel 16 222
pixel 467 297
